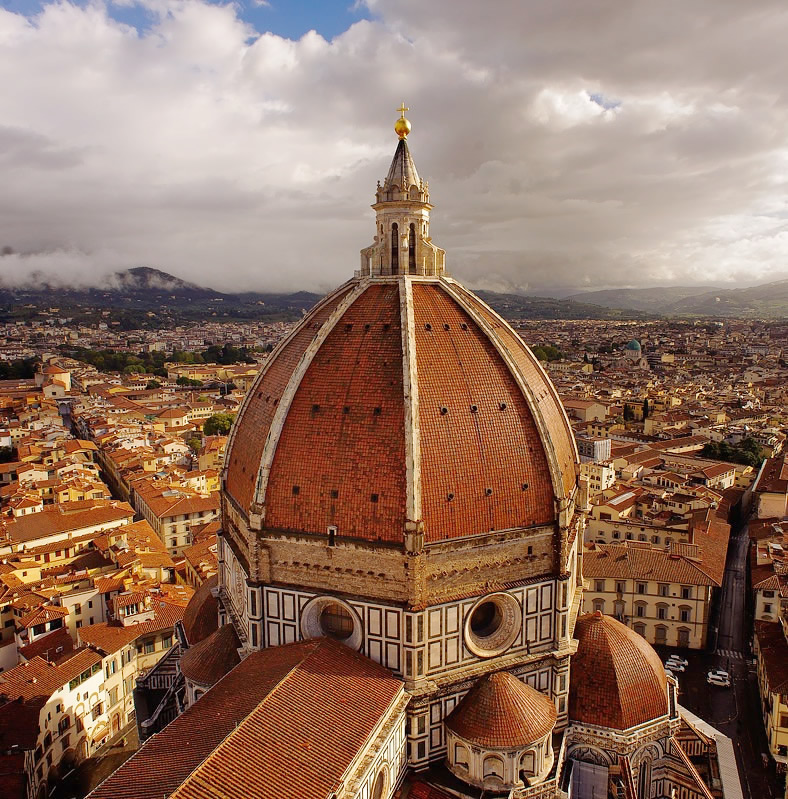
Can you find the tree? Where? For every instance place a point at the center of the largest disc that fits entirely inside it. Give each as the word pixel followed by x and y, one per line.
pixel 153 384
pixel 645 408
pixel 219 424
pixel 187 381
pixel 194 443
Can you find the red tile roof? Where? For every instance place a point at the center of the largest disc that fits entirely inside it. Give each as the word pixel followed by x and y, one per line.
pixel 230 743
pixel 210 659
pixel 340 459
pixel 617 679
pixel 502 712
pixel 201 617
pixel 245 448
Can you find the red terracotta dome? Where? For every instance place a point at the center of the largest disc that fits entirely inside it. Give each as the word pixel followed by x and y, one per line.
pixel 201 617
pixel 209 660
pixel 401 403
pixel 617 679
pixel 501 712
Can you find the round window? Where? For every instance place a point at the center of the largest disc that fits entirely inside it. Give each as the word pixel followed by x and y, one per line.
pixel 331 617
pixel 492 625
pixel 336 621
pixel 486 619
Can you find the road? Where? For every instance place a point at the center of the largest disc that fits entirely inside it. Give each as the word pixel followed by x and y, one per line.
pixel 735 711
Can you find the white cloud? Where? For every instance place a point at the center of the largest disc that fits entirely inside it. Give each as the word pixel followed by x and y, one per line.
pixel 565 143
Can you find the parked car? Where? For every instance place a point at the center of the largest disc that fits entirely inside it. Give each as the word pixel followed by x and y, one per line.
pixel 676 659
pixel 719 677
pixel 674 665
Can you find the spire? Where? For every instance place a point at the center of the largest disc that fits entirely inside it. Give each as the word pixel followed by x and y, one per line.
pixel 402 242
pixel 402 172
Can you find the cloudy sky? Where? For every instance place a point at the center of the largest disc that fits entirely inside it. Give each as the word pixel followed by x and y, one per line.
pixel 568 144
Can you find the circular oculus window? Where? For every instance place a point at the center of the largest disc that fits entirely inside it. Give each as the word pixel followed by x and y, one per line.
pixel 329 617
pixel 492 625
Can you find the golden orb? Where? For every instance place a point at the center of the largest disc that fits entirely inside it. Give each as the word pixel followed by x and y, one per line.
pixel 402 126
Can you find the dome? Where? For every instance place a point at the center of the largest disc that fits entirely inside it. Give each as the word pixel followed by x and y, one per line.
pixel 401 403
pixel 209 660
pixel 201 617
pixel 634 345
pixel 501 712
pixel 617 679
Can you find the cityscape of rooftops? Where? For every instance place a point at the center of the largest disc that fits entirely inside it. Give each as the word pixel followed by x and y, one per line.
pixel 393 400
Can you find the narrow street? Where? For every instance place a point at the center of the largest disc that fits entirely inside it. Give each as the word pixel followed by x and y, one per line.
pixel 735 711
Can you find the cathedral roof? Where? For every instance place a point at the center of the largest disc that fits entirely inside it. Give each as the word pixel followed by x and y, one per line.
pixel 209 660
pixel 397 403
pixel 502 712
pixel 283 719
pixel 617 679
pixel 202 613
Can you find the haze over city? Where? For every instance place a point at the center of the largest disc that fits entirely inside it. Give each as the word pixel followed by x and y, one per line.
pixel 567 145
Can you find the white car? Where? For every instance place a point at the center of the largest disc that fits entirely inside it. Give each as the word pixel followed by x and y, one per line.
pixel 719 677
pixel 677 659
pixel 674 665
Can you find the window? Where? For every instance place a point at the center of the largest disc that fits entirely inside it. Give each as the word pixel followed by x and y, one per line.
pixel 641 588
pixel 77 609
pixel 599 585
pixel 640 629
pixel 640 609
pixel 599 605
pixel 662 611
pixel 686 592
pixel 663 589
pixel 685 613
pixel 64 724
pixel 166 642
pixel 621 586
pixel 79 623
pixel 97 711
pixel 113 696
pixel 80 724
pixel 65 742
pixel 253 603
pixel 767 608
pixel 150 646
pixel 769 594
pixel 48 740
pixel 90 603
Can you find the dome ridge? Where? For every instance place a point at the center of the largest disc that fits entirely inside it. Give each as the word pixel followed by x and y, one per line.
pixel 459 293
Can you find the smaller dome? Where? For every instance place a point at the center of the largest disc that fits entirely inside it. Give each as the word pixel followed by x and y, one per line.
pixel 201 617
pixel 617 679
pixel 502 712
pixel 634 345
pixel 208 661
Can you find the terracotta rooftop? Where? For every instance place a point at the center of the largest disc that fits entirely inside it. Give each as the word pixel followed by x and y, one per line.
pixel 617 678
pixel 230 743
pixel 210 659
pixel 201 617
pixel 502 712
pixel 340 458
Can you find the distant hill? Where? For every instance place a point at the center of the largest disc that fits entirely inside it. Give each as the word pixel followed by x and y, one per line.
pixel 517 306
pixel 767 301
pixel 146 297
pixel 651 300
